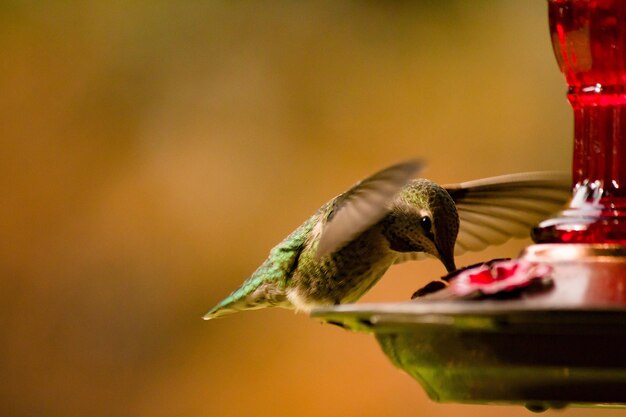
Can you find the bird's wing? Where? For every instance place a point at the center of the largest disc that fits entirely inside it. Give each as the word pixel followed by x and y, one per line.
pixel 364 205
pixel 493 210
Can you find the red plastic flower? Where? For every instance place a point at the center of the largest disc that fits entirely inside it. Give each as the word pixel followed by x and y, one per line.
pixel 499 277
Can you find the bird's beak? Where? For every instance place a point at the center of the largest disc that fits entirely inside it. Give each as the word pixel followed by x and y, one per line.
pixel 446 255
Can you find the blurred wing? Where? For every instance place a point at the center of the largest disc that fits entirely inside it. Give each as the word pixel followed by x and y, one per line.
pixel 493 210
pixel 364 205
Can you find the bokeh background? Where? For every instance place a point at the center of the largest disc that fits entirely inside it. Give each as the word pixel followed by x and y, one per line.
pixel 152 152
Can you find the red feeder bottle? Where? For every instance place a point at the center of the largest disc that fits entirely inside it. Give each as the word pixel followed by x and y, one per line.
pixel 589 41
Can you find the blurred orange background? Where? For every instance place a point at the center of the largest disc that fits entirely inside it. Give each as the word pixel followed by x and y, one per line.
pixel 153 153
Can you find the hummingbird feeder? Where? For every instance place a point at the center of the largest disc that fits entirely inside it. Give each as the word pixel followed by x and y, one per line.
pixel 548 329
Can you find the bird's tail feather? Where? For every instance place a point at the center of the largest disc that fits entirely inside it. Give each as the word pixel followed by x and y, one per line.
pixel 250 296
pixel 224 309
pixel 237 301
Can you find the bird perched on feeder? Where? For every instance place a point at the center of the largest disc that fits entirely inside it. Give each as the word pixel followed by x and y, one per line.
pixel 343 249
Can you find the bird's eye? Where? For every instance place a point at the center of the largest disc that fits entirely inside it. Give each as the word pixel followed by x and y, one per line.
pixel 426 224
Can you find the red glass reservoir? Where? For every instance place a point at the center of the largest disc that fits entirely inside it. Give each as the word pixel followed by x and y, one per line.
pixel 589 41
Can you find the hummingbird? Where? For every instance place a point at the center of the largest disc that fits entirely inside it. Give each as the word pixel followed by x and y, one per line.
pixel 347 245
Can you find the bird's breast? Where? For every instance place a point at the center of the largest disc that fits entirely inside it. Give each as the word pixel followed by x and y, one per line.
pixel 343 276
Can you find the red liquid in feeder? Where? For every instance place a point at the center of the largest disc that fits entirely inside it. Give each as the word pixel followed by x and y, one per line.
pixel 589 41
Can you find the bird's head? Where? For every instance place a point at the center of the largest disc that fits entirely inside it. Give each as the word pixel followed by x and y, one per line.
pixel 423 218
